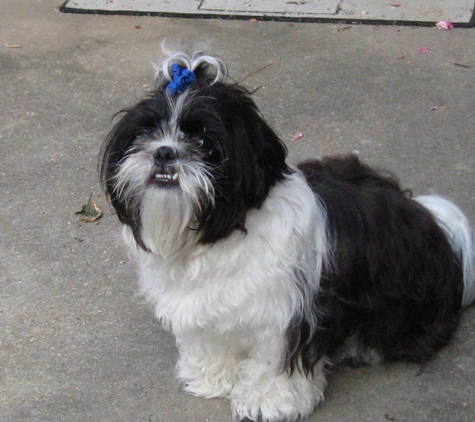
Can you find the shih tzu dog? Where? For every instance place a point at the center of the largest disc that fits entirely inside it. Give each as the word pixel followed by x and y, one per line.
pixel 265 272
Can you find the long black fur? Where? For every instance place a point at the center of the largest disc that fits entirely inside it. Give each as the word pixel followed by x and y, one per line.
pixel 395 283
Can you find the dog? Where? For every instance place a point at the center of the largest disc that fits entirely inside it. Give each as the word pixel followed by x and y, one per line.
pixel 268 273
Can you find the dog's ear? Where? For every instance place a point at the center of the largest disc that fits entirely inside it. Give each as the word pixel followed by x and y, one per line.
pixel 253 160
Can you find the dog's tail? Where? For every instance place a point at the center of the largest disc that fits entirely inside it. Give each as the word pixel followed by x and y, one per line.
pixel 461 236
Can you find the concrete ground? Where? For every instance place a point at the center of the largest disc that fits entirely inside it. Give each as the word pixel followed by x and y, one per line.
pixel 459 12
pixel 76 344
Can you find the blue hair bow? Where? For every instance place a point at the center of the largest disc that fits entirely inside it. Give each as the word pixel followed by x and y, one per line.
pixel 182 78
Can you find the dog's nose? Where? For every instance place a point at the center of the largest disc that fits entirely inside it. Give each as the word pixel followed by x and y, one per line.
pixel 164 155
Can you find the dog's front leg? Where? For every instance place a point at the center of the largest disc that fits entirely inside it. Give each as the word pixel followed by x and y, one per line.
pixel 206 367
pixel 266 392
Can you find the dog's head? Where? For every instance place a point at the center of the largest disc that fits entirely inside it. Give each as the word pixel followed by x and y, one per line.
pixel 191 159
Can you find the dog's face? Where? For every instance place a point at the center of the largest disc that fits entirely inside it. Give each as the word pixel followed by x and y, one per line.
pixel 190 164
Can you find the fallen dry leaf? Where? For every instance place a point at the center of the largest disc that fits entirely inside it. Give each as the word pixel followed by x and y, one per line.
pixel 89 212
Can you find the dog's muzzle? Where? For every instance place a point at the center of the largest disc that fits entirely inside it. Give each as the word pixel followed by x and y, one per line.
pixel 165 172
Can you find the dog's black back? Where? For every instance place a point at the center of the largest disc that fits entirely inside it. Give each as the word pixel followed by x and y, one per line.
pixel 395 284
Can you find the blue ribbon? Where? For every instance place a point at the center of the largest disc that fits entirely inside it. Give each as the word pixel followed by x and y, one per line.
pixel 182 78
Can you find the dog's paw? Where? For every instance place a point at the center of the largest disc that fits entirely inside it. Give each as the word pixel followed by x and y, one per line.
pixel 275 407
pixel 277 398
pixel 259 411
pixel 207 387
pixel 206 379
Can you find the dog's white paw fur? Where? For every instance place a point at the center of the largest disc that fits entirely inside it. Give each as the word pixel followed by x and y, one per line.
pixel 252 377
pixel 207 374
pixel 263 397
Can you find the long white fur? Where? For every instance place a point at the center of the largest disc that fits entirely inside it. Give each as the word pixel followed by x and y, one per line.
pixel 457 228
pixel 230 320
pixel 189 62
pixel 135 169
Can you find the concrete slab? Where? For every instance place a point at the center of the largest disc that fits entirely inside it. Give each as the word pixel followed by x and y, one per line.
pixel 76 344
pixel 459 12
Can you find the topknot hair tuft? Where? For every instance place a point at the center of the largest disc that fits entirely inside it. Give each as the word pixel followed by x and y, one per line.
pixel 214 66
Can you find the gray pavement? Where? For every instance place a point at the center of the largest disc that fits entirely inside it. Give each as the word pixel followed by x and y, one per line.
pixel 76 344
pixel 459 12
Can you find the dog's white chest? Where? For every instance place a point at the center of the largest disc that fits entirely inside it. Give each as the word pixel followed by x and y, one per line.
pixel 213 295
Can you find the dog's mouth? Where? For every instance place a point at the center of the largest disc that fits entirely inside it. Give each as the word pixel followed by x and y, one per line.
pixel 165 177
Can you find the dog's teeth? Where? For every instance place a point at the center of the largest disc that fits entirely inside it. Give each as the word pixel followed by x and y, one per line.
pixel 166 176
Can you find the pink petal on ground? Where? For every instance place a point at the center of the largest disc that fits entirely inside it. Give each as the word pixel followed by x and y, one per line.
pixel 423 50
pixel 444 25
pixel 297 136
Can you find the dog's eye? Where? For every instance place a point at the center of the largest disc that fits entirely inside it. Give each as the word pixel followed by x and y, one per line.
pixel 204 144
pixel 206 147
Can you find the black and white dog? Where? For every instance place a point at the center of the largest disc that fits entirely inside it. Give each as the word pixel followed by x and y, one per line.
pixel 265 272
